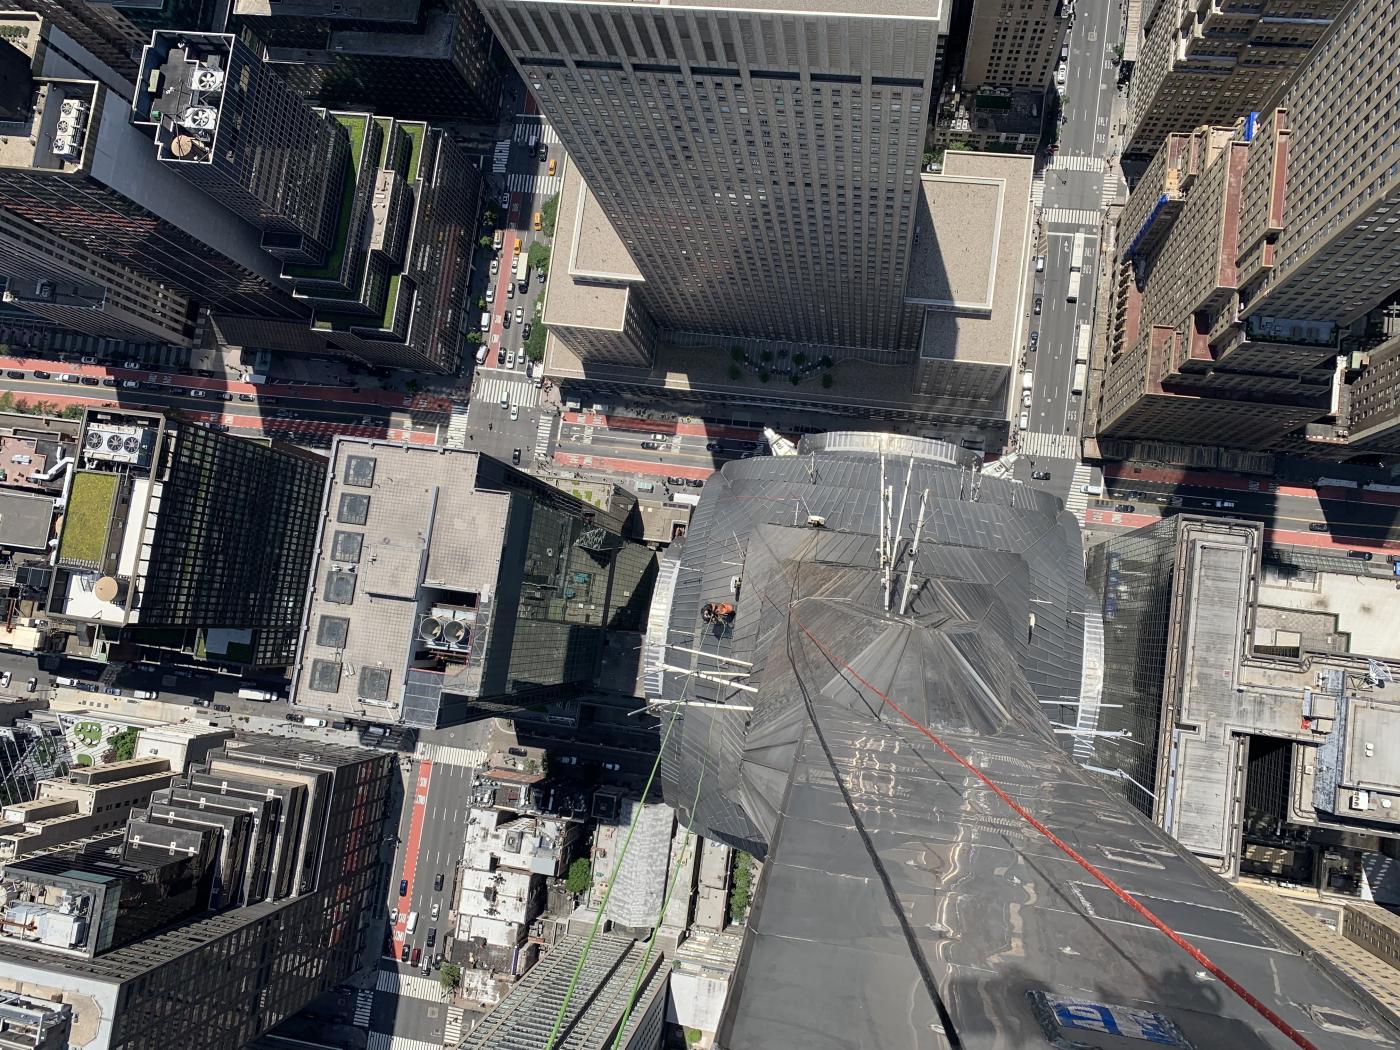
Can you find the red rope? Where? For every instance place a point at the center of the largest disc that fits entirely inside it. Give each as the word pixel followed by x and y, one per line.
pixel 1190 949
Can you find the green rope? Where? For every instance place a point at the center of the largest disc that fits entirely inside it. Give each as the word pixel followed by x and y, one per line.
pixel 602 909
pixel 666 901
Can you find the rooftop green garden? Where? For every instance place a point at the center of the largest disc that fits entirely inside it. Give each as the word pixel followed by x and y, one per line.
pixel 330 269
pixel 89 514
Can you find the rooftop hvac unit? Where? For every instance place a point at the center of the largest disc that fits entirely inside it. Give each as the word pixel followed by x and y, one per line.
pixel 199 118
pixel 206 79
pixel 66 146
pixel 72 109
pixel 445 628
pixel 117 444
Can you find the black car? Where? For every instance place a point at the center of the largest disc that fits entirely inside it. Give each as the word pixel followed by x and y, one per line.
pixel 403 887
pixel 695 483
pixel 403 955
pixel 109 381
pixel 41 375
pixel 525 330
pixel 432 936
pixel 1317 526
pixel 1125 508
pixel 202 702
pixel 1037 305
pixel 222 707
pixel 1040 475
pixel 224 395
pixel 246 397
pixel 713 446
pixel 89 380
pixel 13 374
pixel 1035 338
pixel 1363 555
pixel 437 883
pixel 543 152
pixel 676 482
pixel 515 455
pixel 651 445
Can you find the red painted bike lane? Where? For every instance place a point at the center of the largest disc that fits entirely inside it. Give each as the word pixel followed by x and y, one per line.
pixel 631 466
pixel 415 836
pixel 657 426
pixel 1277 537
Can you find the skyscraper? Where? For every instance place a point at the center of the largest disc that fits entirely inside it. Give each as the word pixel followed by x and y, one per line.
pixel 71 286
pixel 1208 64
pixel 916 681
pixel 1014 43
pixel 228 124
pixel 230 902
pixel 447 580
pixel 761 166
pixel 1248 254
pixel 79 170
pixel 182 538
pixel 405 58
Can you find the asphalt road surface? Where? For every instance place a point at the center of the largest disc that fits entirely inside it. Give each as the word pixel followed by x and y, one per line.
pixel 1072 203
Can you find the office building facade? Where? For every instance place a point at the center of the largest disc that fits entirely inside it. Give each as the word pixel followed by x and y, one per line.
pixel 301 821
pixel 1248 254
pixel 404 58
pixel 760 166
pixel 82 172
pixel 52 278
pixel 1211 64
pixel 181 537
pixel 448 582
pixel 1014 43
pixel 221 119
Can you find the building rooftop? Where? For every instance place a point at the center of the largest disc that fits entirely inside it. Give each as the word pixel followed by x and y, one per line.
pixel 971 257
pixel 404 532
pixel 601 992
pixel 25 520
pixel 592 290
pixel 339 10
pixel 902 902
pixel 936 10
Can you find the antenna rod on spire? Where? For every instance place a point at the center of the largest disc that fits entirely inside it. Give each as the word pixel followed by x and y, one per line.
pixel 913 553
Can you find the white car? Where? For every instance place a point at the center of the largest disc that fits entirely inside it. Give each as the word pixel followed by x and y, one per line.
pixel 514 412
pixel 1026 398
pixel 491 295
pixel 1025 420
pixel 4 679
pixel 394 917
pixel 436 906
pixel 510 359
pixel 1060 76
pixel 199 393
pixel 519 315
pixel 131 364
pixel 495 267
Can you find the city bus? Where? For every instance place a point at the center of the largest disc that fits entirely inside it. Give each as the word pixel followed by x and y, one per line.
pixel 1081 343
pixel 1081 376
pixel 522 273
pixel 1076 256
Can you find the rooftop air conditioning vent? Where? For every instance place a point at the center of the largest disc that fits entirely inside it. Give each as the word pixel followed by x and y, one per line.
pixel 200 118
pixel 206 79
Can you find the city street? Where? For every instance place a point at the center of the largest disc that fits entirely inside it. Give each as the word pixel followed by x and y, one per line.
pixel 1078 185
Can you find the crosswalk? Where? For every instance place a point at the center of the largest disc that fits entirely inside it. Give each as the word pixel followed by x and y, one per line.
pixel 364 1007
pixel 411 985
pixel 452 1031
pixel 1055 446
pixel 543 432
pixel 535 185
pixel 1072 216
pixel 1110 189
pixel 500 160
pixel 525 132
pixel 457 427
pixel 1064 163
pixel 1038 190
pixel 447 755
pixel 491 387
pixel 1078 500
pixel 385 1041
